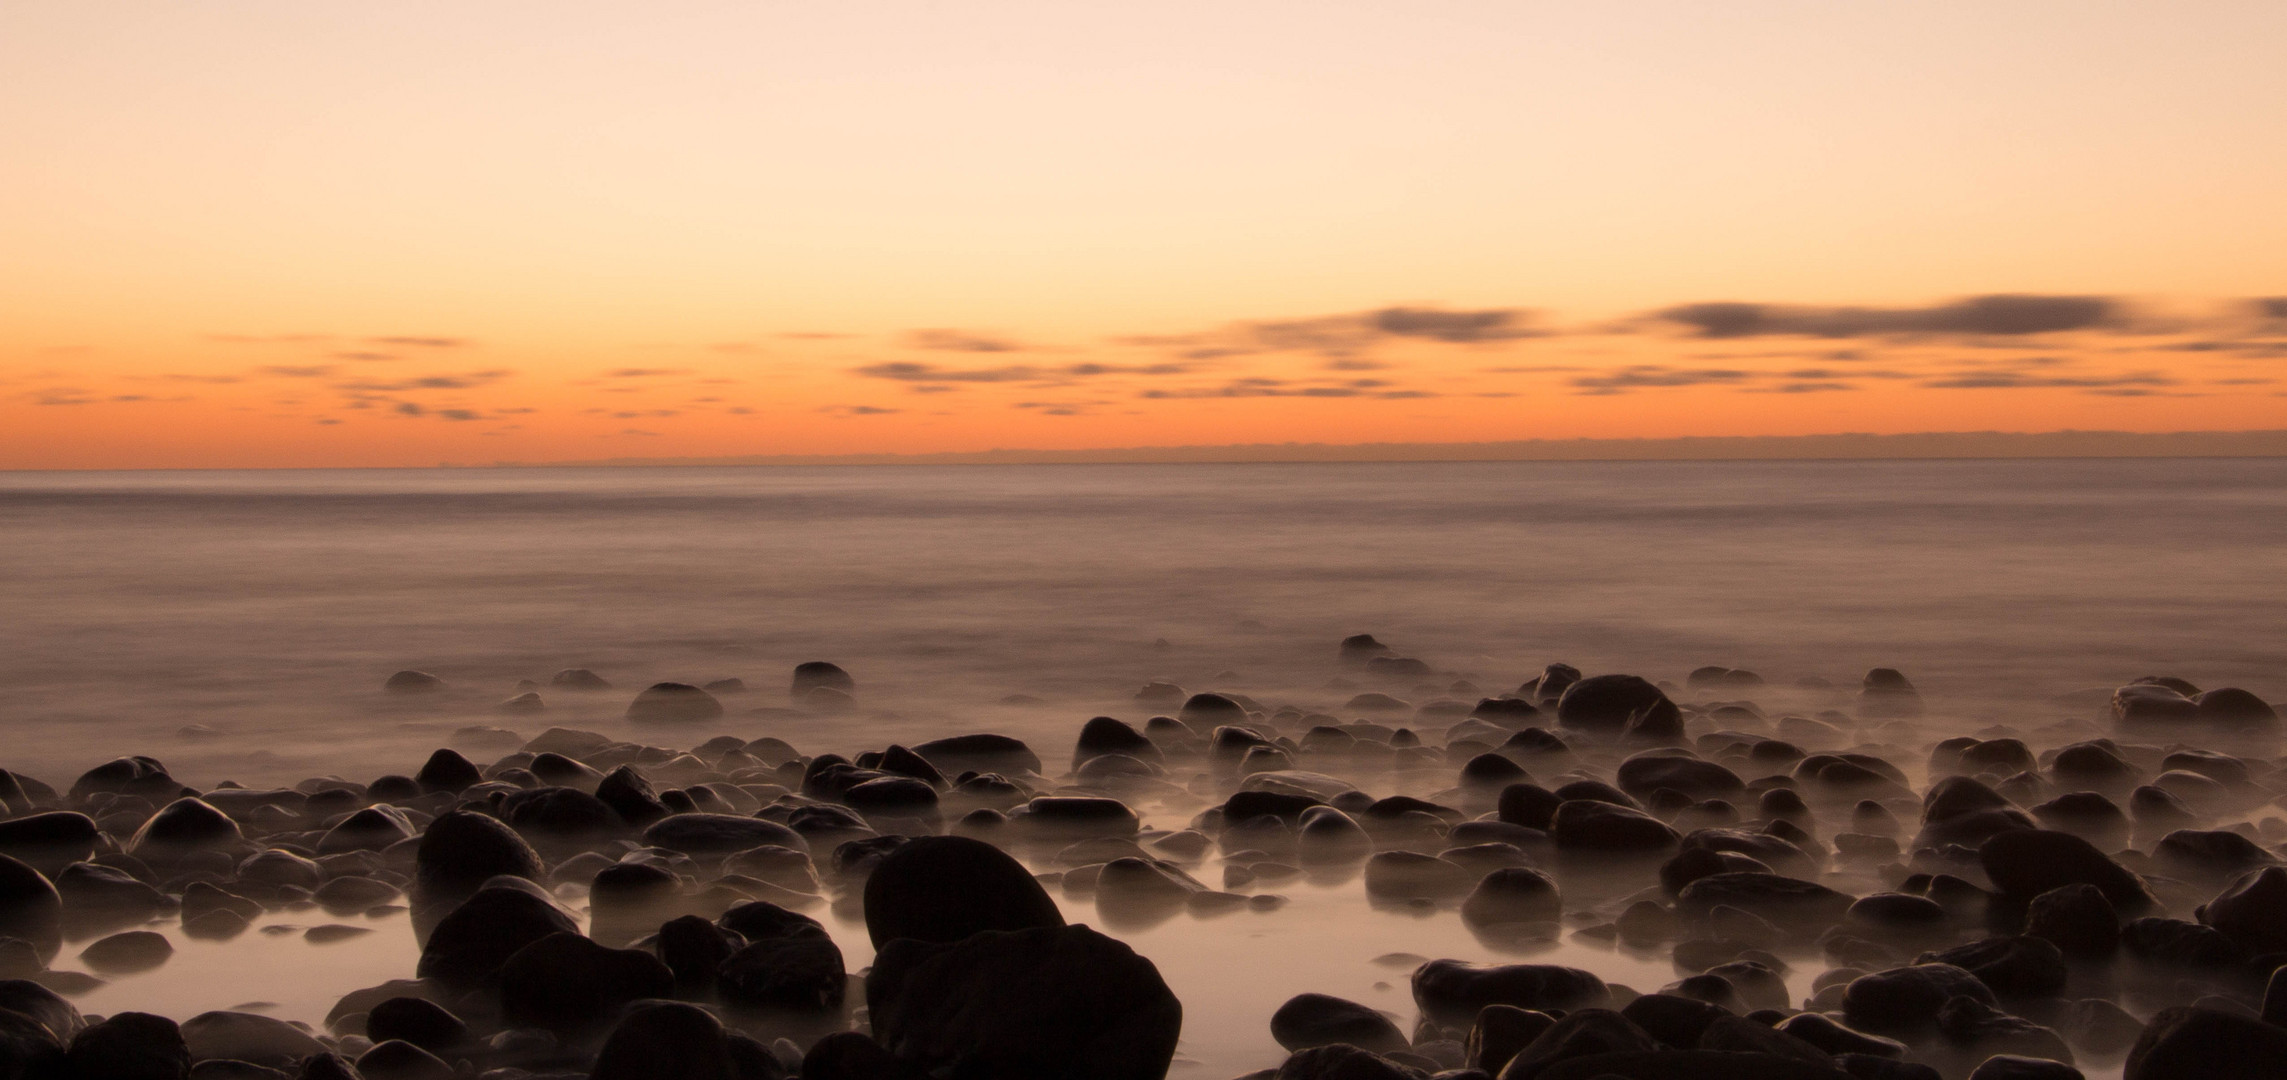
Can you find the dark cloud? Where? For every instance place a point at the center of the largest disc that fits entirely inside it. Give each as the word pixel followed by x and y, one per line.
pixel 1998 314
pixel 1265 387
pixel 1497 324
pixel 814 335
pixel 463 381
pixel 1341 337
pixel 1640 376
pixel 268 339
pixel 364 357
pixel 419 341
pixel 410 408
pixel 290 371
pixel 644 373
pixel 909 371
pixel 949 340
pixel 2271 307
pixel 2018 380
pixel 459 414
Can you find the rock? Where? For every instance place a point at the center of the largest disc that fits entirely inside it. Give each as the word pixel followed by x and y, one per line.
pixel 800 971
pixel 127 953
pixel 1784 901
pixel 1451 992
pixel 100 898
pixel 461 851
pixel 1206 712
pixel 1982 1030
pixel 470 945
pixel 1905 1001
pixel 374 828
pixel 1821 1031
pixel 2026 863
pixel 1672 1019
pixel 51 841
pixel 2252 911
pixel 943 889
pixel 2012 967
pixel 2206 1044
pixel 979 753
pixel 719 834
pixel 1582 1033
pixel 1038 1003
pixel 1512 895
pixel 1340 1062
pixel 1401 876
pixel 446 770
pixel 30 909
pixel 667 1041
pixel 630 796
pixel 694 950
pixel 2213 855
pixel 1588 825
pixel 570 985
pixel 674 703
pixel 1617 704
pixel 419 1021
pixel 412 682
pixel 1068 818
pixel 129 1046
pixel 1308 1020
pixel 399 1060
pixel 559 815
pixel 578 679
pixel 1499 1032
pixel 819 673
pixel 2013 1067
pixel 240 1036
pixel 851 1055
pixel 2231 705
pixel 1646 773
pixel 1104 735
pixel 141 776
pixel 2077 919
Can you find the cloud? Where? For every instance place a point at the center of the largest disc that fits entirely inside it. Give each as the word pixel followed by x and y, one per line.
pixel 416 341
pixel 949 340
pixel 2018 380
pixel 268 339
pixel 2271 307
pixel 1266 387
pixel 644 373
pixel 464 381
pixel 915 372
pixel 291 371
pixel 2005 314
pixel 364 356
pixel 1494 324
pixel 459 414
pixel 409 408
pixel 1638 376
pixel 1341 337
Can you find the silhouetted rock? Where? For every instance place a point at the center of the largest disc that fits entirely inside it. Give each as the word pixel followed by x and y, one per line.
pixel 1308 1020
pixel 49 842
pixel 143 776
pixel 2012 967
pixel 571 985
pixel 980 753
pixel 1451 992
pixel 945 888
pixel 1614 704
pixel 240 1036
pixel 30 909
pixel 2025 863
pixel 673 703
pixel 419 1021
pixel 1905 1001
pixel 1514 894
pixel 2077 919
pixel 631 796
pixel 129 1046
pixel 2207 1044
pixel 667 1041
pixel 412 682
pixel 460 851
pixel 1041 1003
pixel 819 673
pixel 1589 825
pixel 719 834
pixel 126 953
pixel 2252 911
pixel 470 944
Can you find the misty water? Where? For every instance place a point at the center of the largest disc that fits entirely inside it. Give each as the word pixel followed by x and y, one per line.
pixel 239 625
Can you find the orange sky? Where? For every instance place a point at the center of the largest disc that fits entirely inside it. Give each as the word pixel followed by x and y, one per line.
pixel 254 234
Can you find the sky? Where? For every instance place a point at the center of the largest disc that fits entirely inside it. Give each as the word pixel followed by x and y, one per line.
pixel 251 234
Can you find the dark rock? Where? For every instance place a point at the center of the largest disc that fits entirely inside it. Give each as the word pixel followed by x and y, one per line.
pixel 2252 911
pixel 2012 967
pixel 399 1060
pixel 129 1046
pixel 793 972
pixel 1885 694
pixel 239 1036
pixel 446 770
pixel 1580 1034
pixel 1821 1031
pixel 2077 919
pixel 1616 704
pixel 1905 1001
pixel 719 834
pixel 958 754
pixel 1400 876
pixel 374 828
pixel 667 1041
pixel 817 673
pixel 2231 705
pixel 850 1055
pixel 673 703
pixel 2217 854
pixel 1491 771
pixel 412 682
pixel 1040 1003
pixel 570 985
pixel 1646 773
pixel 30 909
pixel 2206 1044
pixel 945 888
pixel 1783 900
pixel 142 776
pixel 1308 1020
pixel 51 841
pixel 559 815
pixel 1673 1019
pixel 1452 992
pixel 1104 735
pixel 1514 894
pixel 470 945
pixel 1588 825
pixel 1982 1030
pixel 419 1021
pixel 2013 1067
pixel 99 898
pixel 1529 805
pixel 630 796
pixel 1341 1062
pixel 1206 712
pixel 1065 817
pixel 2026 863
pixel 122 954
pixel 1499 1032
pixel 2178 943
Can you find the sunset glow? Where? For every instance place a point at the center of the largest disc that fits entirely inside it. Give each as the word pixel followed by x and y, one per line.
pixel 283 234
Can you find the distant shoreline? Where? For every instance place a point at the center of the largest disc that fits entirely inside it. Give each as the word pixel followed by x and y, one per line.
pixel 1918 446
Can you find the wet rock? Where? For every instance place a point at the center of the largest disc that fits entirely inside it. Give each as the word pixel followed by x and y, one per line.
pixel 1783 900
pixel 2207 1044
pixel 2252 911
pixel 399 1060
pixel 667 1041
pixel 945 888
pixel 1513 895
pixel 1069 818
pixel 51 841
pixel 1308 1020
pixel 127 953
pixel 1046 1002
pixel 797 971
pixel 374 828
pixel 1206 712
pixel 979 753
pixel 2026 863
pixel 140 776
pixel 1617 704
pixel 412 682
pixel 1583 1033
pixel 2014 1067
pixel 1451 992
pixel 1499 1032
pixel 674 703
pixel 129 1046
pixel 1329 836
pixel 570 985
pixel 1646 773
pixel 580 679
pixel 1981 1030
pixel 559 815
pixel 2176 943
pixel 99 898
pixel 1399 876
pixel 817 673
pixel 850 1055
pixel 1673 1020
pixel 1896 913
pixel 1905 1001
pixel 419 1021
pixel 2231 705
pixel 1886 694
pixel 239 1036
pixel 1821 1031
pixel 470 945
pixel 719 834
pixel 1340 1062
pixel 30 909
pixel 2077 919
pixel 1104 735
pixel 460 851
pixel 2012 967
pixel 1589 825
pixel 630 796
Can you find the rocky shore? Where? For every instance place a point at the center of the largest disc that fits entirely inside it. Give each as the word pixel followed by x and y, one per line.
pixel 1846 892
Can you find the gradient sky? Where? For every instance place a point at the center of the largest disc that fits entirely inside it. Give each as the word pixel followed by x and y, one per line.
pixel 295 233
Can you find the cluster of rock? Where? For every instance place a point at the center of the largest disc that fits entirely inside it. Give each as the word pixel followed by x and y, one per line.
pixel 2009 918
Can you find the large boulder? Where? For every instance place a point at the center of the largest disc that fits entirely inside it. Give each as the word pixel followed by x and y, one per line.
pixel 666 1041
pixel 570 985
pixel 51 841
pixel 461 851
pixel 2025 863
pixel 129 1046
pixel 30 908
pixel 983 752
pixel 674 703
pixel 1785 901
pixel 470 945
pixel 719 835
pixel 1041 1004
pixel 944 888
pixel 1905 1001
pixel 242 1036
pixel 1308 1020
pixel 1591 825
pixel 1616 705
pixel 1453 992
pixel 143 776
pixel 2252 911
pixel 2207 1044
